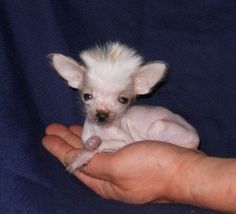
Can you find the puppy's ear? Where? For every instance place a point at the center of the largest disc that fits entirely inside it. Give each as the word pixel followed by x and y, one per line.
pixel 68 69
pixel 148 76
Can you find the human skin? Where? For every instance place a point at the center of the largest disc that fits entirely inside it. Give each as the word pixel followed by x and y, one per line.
pixel 150 171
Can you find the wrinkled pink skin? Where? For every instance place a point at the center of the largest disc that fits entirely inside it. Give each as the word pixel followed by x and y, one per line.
pixel 137 124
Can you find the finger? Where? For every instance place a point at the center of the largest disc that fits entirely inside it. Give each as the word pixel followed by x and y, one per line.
pixel 76 129
pixel 54 128
pixel 59 148
pixel 66 134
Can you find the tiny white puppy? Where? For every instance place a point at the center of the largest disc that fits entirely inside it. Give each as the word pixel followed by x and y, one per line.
pixel 109 79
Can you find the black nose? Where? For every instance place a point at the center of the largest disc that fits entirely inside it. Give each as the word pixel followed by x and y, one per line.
pixel 101 117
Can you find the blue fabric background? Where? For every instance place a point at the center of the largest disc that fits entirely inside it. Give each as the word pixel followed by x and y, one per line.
pixel 196 38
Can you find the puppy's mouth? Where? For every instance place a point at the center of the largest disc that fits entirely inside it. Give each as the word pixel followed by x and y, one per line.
pixel 101 123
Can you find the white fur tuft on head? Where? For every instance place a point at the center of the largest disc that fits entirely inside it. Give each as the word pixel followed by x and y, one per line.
pixel 113 63
pixel 111 52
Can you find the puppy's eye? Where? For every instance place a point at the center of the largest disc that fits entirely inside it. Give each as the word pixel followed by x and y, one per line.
pixel 87 97
pixel 123 100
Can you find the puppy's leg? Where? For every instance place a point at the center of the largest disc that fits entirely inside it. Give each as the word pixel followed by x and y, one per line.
pixel 86 154
pixel 81 159
pixel 173 132
pixel 93 146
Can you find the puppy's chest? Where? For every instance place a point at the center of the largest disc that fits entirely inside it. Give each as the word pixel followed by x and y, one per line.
pixel 106 133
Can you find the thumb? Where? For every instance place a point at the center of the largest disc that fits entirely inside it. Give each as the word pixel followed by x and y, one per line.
pixel 101 166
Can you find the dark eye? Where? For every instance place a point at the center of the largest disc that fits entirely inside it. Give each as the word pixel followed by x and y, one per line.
pixel 123 100
pixel 87 97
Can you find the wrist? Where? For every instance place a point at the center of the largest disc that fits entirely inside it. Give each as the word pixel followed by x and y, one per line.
pixel 207 182
pixel 180 188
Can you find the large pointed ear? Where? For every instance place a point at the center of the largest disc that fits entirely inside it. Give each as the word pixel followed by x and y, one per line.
pixel 148 76
pixel 68 69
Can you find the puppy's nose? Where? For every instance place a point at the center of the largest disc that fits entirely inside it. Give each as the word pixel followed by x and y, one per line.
pixel 101 117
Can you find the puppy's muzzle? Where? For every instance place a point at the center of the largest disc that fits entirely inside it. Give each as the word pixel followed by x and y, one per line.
pixel 102 117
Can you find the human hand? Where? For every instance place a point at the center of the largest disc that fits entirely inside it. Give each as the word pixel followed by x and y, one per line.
pixel 139 173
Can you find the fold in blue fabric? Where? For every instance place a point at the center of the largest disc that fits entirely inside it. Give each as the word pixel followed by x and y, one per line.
pixel 196 38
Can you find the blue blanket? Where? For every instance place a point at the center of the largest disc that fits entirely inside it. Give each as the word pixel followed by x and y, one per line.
pixel 196 38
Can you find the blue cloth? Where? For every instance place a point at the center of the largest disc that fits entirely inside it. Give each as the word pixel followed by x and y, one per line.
pixel 196 38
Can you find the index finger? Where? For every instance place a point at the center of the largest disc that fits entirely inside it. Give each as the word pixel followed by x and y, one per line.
pixel 70 135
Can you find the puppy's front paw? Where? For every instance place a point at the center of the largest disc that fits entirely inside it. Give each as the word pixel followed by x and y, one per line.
pixel 93 143
pixel 80 160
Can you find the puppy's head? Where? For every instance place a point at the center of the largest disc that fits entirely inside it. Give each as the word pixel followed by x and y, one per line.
pixel 109 79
